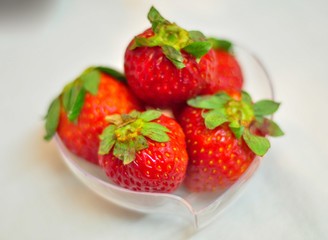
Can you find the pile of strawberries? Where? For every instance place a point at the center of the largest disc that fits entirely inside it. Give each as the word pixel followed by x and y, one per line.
pixel 216 132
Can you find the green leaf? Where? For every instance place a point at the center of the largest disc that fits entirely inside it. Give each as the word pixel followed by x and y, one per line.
pixel 214 119
pixel 274 130
pixel 157 136
pixel 246 97
pixel 223 96
pixel 197 36
pixel 68 96
pixel 221 111
pixel 106 145
pixel 155 126
pixel 259 145
pixel 145 42
pixel 221 44
pixel 78 94
pixel 125 151
pixel 268 127
pixel 90 81
pixel 111 72
pixel 208 102
pixel 141 143
pixel 234 124
pixel 129 153
pixel 73 99
pixel 156 18
pixel 155 132
pixel 265 107
pixel 119 149
pixel 108 132
pixel 115 119
pixel 153 14
pixel 127 117
pixel 134 114
pixel 173 55
pixel 198 49
pixel 150 115
pixel 238 132
pixel 259 119
pixel 52 119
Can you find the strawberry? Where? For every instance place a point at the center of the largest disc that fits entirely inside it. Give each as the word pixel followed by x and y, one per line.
pixel 223 137
pixel 144 151
pixel 228 74
pixel 166 64
pixel 78 113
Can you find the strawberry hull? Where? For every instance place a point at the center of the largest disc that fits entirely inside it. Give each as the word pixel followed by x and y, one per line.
pixel 158 82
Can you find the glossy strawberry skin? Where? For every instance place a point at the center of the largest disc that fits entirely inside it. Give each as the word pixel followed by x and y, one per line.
pixel 81 138
pixel 159 168
pixel 217 158
pixel 228 74
pixel 155 79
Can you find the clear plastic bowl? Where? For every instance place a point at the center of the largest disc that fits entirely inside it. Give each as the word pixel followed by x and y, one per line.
pixel 198 208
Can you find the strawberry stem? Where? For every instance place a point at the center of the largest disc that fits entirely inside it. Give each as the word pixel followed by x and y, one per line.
pixel 240 112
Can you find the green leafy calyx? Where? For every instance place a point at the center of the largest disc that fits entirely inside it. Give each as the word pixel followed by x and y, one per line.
pixel 128 132
pixel 73 95
pixel 243 117
pixel 221 44
pixel 172 39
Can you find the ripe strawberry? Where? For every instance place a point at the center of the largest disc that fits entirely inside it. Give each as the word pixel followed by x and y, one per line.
pixel 167 65
pixel 144 151
pixel 223 137
pixel 228 74
pixel 78 113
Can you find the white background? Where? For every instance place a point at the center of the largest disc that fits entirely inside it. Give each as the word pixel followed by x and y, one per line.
pixel 45 44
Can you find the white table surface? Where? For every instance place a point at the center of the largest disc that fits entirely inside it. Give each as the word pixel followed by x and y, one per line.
pixel 44 44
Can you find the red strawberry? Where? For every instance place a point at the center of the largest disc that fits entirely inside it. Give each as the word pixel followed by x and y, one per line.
pixel 78 113
pixel 223 138
pixel 144 152
pixel 166 65
pixel 228 75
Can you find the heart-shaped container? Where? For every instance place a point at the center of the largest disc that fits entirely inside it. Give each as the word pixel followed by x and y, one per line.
pixel 198 208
